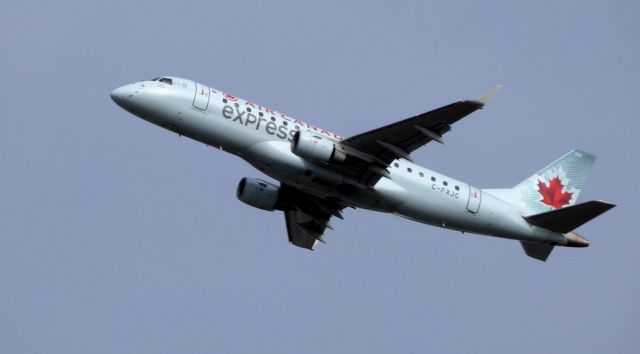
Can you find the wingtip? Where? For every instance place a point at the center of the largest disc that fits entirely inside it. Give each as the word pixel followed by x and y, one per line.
pixel 484 99
pixel 608 205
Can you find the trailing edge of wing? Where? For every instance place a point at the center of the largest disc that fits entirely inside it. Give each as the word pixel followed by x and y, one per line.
pixel 397 151
pixel 398 140
pixel 430 134
pixel 303 230
pixel 307 216
pixel 371 152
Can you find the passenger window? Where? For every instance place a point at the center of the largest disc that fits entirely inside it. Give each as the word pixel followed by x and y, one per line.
pixel 421 174
pixel 260 114
pixel 457 188
pixel 433 179
pixel 409 169
pixel 224 100
pixel 396 165
pixel 273 119
pixel 444 183
pixel 248 109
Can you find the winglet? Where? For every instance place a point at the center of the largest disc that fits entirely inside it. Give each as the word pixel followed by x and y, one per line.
pixel 489 95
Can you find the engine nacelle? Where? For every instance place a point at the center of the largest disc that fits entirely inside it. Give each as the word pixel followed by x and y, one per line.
pixel 258 193
pixel 317 148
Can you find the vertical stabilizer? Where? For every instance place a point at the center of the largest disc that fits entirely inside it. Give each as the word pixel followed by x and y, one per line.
pixel 556 186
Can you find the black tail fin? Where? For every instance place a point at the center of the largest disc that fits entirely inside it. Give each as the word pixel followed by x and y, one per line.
pixel 537 250
pixel 569 218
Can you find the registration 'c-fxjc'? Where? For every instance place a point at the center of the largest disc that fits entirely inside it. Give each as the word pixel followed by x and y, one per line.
pixel 321 173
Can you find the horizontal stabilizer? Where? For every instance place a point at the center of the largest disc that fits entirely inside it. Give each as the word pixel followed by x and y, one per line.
pixel 537 250
pixel 569 218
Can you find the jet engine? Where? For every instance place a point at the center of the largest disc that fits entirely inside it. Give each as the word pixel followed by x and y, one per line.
pixel 258 193
pixel 317 148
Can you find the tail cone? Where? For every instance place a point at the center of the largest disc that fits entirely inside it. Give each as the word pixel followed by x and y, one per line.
pixel 575 240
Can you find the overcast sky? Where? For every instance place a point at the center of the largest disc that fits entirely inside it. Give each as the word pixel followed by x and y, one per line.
pixel 119 237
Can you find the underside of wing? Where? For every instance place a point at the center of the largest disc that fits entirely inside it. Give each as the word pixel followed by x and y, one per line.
pixel 307 216
pixel 303 230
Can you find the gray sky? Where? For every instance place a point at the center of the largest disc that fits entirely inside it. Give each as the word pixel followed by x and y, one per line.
pixel 120 237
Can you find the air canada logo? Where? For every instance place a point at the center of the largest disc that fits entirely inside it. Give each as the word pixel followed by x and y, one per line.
pixel 554 191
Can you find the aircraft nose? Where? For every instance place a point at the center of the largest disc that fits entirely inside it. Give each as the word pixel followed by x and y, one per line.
pixel 122 94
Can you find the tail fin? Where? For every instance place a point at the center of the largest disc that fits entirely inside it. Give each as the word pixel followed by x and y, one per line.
pixel 537 250
pixel 548 199
pixel 556 186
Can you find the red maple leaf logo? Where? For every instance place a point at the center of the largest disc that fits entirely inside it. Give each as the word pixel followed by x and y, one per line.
pixel 553 195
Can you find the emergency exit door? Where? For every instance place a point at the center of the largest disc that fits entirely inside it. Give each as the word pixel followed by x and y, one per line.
pixel 201 99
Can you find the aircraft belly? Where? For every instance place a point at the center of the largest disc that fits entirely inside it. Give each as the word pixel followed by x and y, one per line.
pixel 275 159
pixel 495 218
pixel 387 196
pixel 435 208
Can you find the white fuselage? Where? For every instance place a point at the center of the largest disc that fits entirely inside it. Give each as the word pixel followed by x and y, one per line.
pixel 262 137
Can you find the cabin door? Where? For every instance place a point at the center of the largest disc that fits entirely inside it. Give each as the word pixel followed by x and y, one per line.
pixel 201 99
pixel 475 195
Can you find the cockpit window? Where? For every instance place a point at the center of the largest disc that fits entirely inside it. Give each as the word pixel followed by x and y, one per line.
pixel 166 80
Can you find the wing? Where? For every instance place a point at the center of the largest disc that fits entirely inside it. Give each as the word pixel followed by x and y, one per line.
pixel 379 147
pixel 307 216
pixel 303 230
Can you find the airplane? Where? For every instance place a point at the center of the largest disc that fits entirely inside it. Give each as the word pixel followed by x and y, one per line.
pixel 321 173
